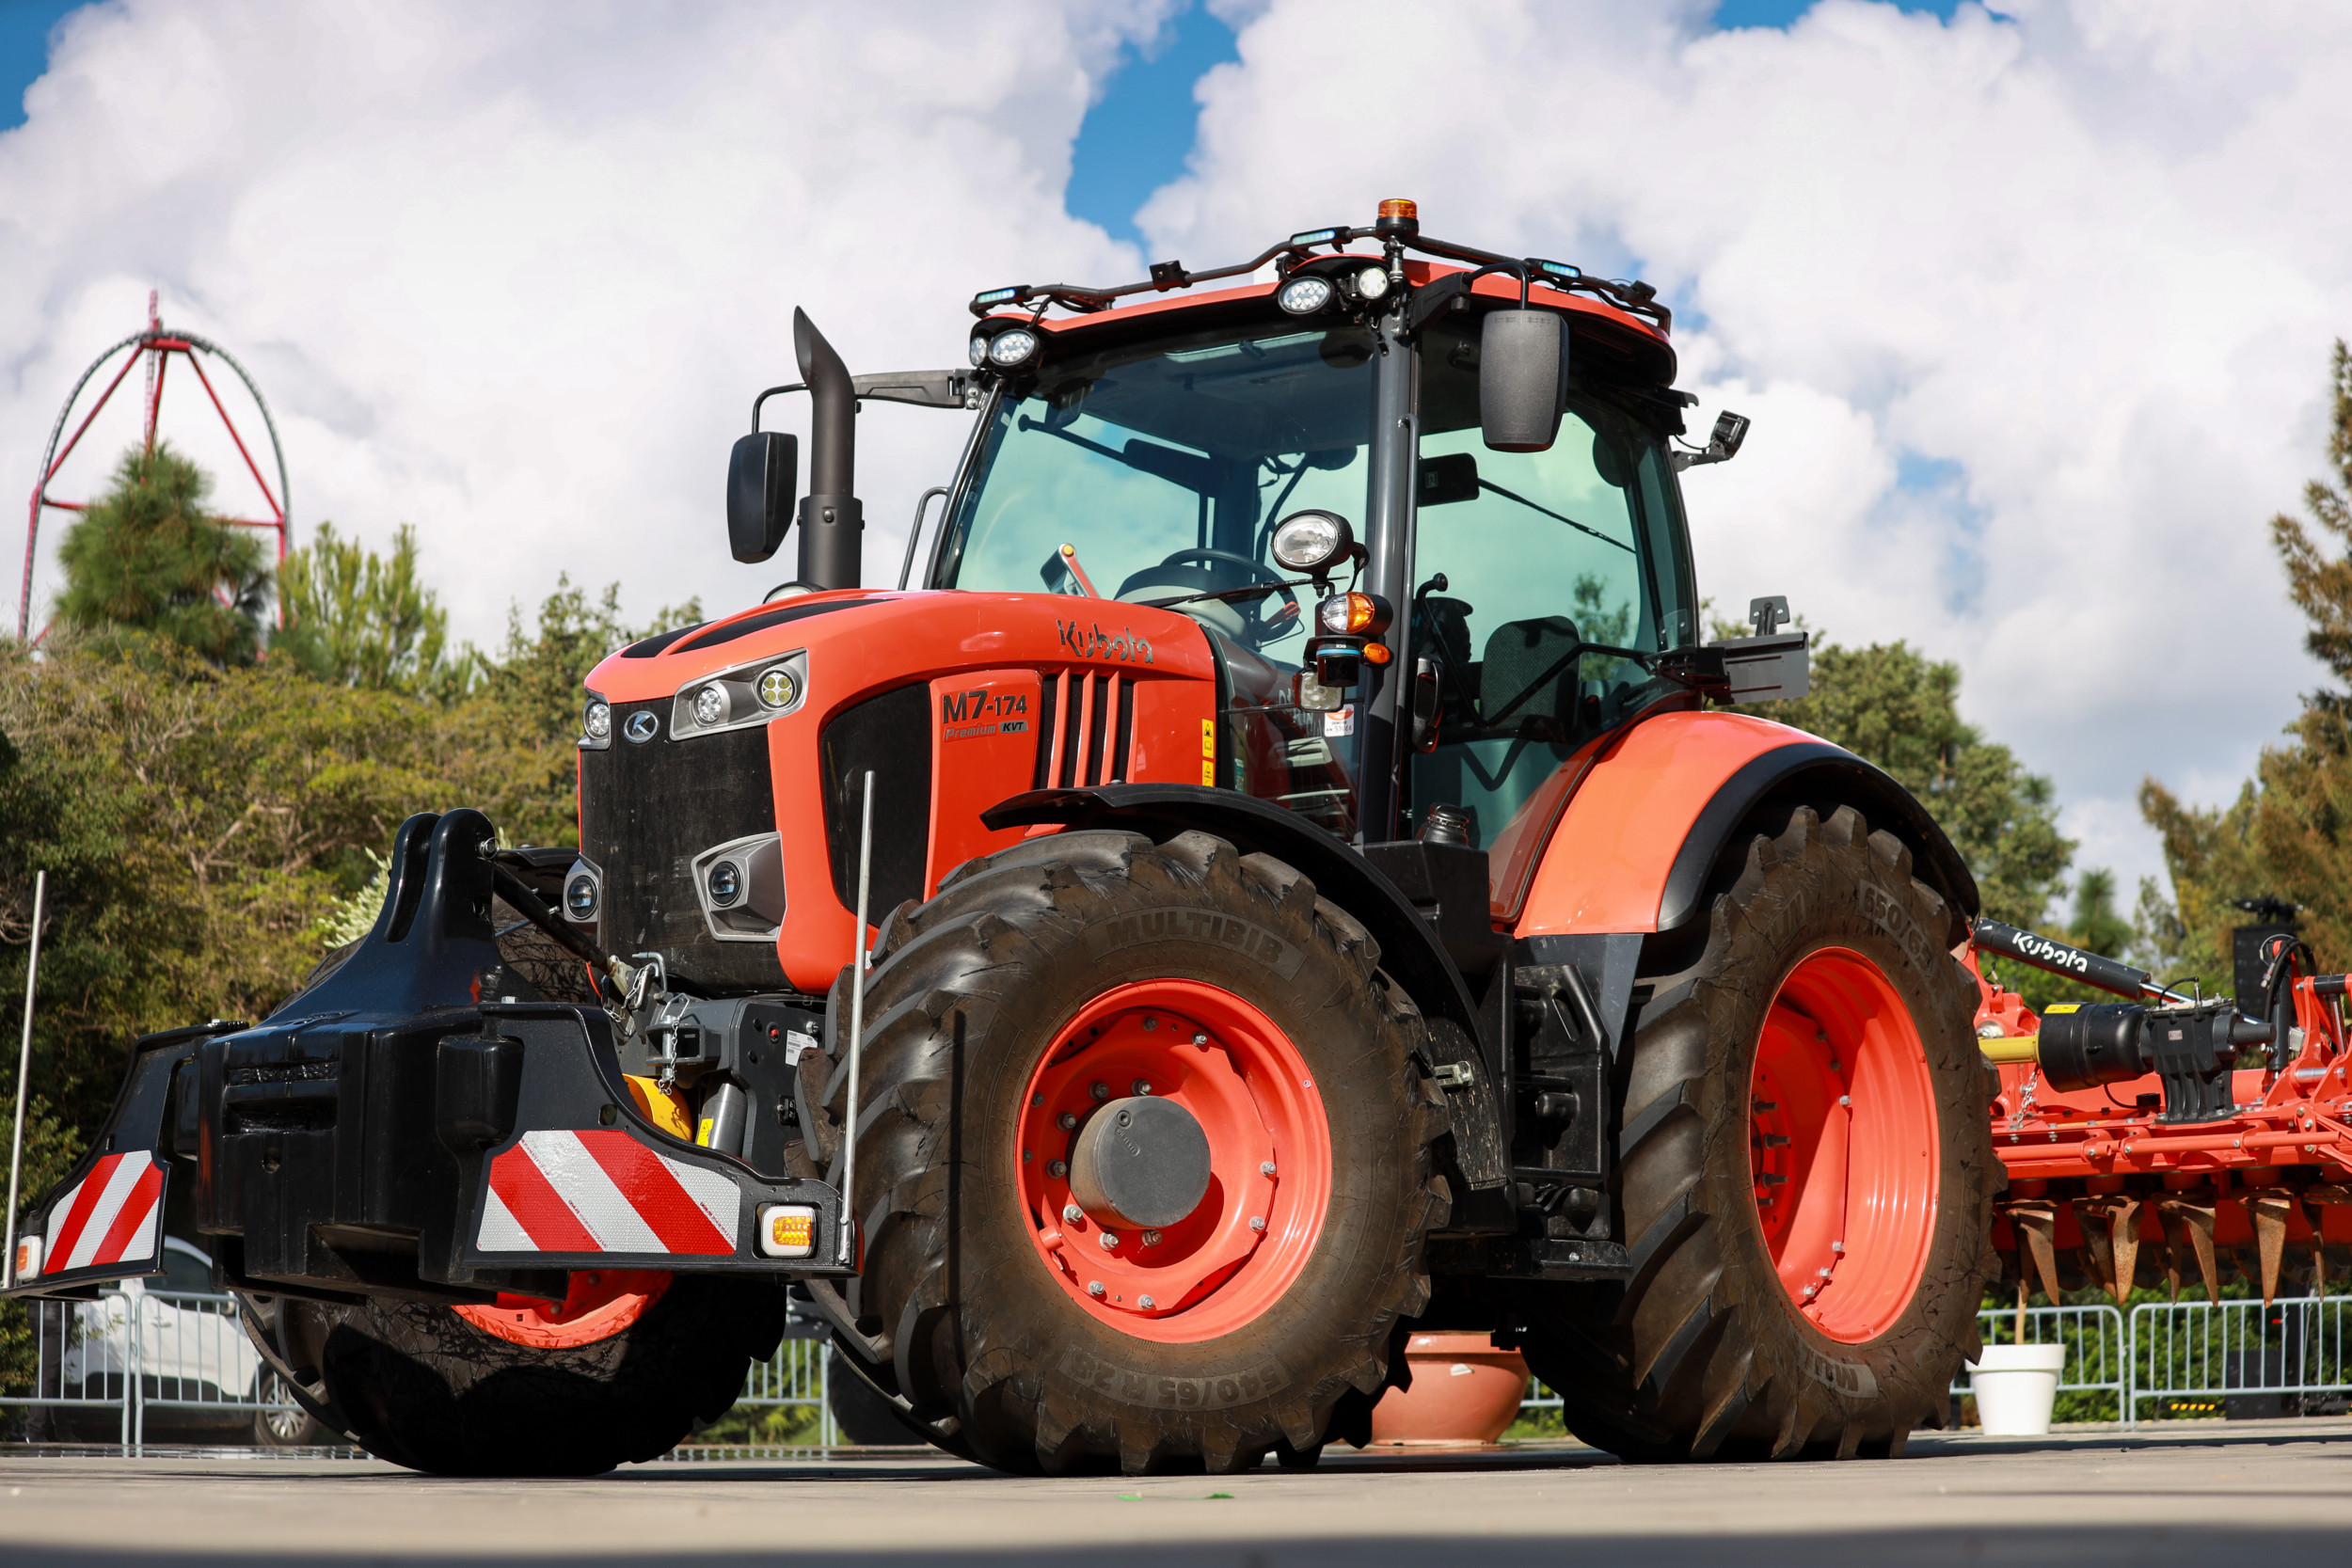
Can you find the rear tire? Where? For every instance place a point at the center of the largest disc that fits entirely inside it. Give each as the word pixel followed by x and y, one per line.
pixel 1826 961
pixel 418 1384
pixel 970 1309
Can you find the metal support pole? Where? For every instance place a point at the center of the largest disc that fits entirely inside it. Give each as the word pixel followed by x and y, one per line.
pixel 24 1070
pixel 857 1023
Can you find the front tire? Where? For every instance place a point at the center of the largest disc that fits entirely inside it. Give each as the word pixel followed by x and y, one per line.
pixel 1043 982
pixel 420 1385
pixel 1807 1175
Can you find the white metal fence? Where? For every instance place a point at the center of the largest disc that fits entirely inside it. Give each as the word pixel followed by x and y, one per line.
pixel 2255 1360
pixel 104 1368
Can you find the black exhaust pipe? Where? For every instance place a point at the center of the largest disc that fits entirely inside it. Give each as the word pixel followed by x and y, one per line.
pixel 831 522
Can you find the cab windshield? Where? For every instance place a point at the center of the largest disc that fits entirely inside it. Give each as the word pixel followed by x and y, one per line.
pixel 1166 469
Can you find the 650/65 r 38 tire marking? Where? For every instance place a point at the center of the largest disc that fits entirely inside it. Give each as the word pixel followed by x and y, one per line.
pixel 1026 993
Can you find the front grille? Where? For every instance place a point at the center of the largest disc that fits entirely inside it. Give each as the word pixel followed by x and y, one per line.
pixel 1086 729
pixel 646 810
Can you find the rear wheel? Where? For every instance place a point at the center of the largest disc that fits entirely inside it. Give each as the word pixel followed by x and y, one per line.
pixel 1143 1159
pixel 612 1377
pixel 1806 1173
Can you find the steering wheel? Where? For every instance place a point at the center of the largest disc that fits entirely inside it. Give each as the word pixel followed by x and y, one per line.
pixel 1288 614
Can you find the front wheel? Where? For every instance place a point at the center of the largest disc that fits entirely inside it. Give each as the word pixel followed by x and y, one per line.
pixel 616 1375
pixel 1807 1175
pixel 1143 1159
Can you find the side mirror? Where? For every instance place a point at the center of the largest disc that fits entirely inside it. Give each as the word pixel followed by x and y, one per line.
pixel 762 475
pixel 1522 368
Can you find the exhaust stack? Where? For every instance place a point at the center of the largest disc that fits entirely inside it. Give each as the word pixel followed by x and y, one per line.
pixel 832 520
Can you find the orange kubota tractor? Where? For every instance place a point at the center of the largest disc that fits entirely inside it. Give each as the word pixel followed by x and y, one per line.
pixel 1307 898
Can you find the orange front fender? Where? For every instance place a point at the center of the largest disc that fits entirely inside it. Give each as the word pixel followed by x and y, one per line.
pixel 1651 811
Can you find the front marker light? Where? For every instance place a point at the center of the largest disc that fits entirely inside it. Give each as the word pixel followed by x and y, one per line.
pixel 1007 349
pixel 788 1230
pixel 1352 615
pixel 28 1257
pixel 597 719
pixel 1304 296
pixel 711 705
pixel 777 687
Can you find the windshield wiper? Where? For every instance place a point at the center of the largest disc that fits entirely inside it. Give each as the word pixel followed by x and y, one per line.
pixel 1259 589
pixel 1556 516
pixel 1183 469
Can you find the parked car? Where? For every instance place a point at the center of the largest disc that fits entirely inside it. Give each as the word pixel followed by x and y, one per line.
pixel 200 1379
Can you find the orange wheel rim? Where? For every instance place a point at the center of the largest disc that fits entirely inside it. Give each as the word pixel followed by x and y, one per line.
pixel 1238 1074
pixel 600 1304
pixel 1843 1145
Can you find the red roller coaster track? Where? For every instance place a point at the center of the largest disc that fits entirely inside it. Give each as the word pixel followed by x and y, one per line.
pixel 154 347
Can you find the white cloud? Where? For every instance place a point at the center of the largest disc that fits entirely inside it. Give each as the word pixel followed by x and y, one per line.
pixel 2080 264
pixel 513 272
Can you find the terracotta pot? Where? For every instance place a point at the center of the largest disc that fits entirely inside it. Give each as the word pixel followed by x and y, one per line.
pixel 1464 1391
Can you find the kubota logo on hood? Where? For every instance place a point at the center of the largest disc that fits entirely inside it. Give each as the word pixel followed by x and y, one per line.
pixel 1093 642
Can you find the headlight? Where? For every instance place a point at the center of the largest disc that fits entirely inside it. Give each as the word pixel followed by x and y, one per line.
pixel 711 705
pixel 1372 283
pixel 579 898
pixel 725 884
pixel 1012 348
pixel 1311 542
pixel 597 721
pixel 978 350
pixel 1304 296
pixel 777 687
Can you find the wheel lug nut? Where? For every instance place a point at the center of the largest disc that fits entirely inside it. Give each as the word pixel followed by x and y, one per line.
pixel 1265 1167
pixel 1067 1120
pixel 1142 1086
pixel 1199 1039
pixel 1256 1222
pixel 1151 1238
pixel 1038 1098
pixel 1071 1212
pixel 1844 1100
pixel 1151 1024
pixel 1094 1289
pixel 1146 1303
pixel 1110 1239
pixel 1100 1091
pixel 1057 1168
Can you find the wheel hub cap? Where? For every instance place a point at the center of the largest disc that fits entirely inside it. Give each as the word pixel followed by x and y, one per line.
pixel 1140 1162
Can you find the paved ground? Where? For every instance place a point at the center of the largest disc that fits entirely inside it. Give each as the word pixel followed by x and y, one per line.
pixel 2220 1496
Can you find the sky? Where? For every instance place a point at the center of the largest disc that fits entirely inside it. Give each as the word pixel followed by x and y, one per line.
pixel 2030 305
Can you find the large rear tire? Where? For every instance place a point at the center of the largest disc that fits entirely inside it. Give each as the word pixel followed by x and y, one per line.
pixel 421 1386
pixel 1095 972
pixel 1806 1173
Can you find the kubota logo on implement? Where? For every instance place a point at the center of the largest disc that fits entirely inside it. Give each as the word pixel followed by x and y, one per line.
pixel 1094 642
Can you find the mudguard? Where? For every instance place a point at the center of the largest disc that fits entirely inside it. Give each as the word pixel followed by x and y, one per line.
pixel 1638 841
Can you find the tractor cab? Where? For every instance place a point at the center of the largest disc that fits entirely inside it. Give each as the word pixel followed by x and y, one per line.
pixel 1278 460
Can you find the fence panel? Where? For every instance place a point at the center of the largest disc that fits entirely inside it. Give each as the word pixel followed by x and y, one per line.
pixel 800 1373
pixel 2240 1357
pixel 2098 1359
pixel 133 1350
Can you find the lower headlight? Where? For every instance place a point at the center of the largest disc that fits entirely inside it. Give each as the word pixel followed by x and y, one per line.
pixel 711 705
pixel 579 898
pixel 725 884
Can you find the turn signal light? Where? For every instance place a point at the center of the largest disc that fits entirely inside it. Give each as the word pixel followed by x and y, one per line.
pixel 1352 615
pixel 787 1230
pixel 28 1257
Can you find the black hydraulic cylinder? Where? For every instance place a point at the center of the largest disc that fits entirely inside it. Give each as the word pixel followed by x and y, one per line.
pixel 831 522
pixel 2058 958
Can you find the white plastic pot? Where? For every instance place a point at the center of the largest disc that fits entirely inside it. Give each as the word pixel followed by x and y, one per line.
pixel 2015 1386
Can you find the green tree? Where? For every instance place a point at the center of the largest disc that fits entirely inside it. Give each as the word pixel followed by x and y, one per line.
pixel 357 619
pixel 1895 706
pixel 2289 832
pixel 146 559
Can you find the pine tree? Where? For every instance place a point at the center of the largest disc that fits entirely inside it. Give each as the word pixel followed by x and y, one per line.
pixel 355 619
pixel 146 559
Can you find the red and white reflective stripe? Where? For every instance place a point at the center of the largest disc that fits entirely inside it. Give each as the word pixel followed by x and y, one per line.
pixel 109 1216
pixel 600 1189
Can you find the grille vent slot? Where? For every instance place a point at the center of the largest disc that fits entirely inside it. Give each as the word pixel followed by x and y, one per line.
pixel 1086 729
